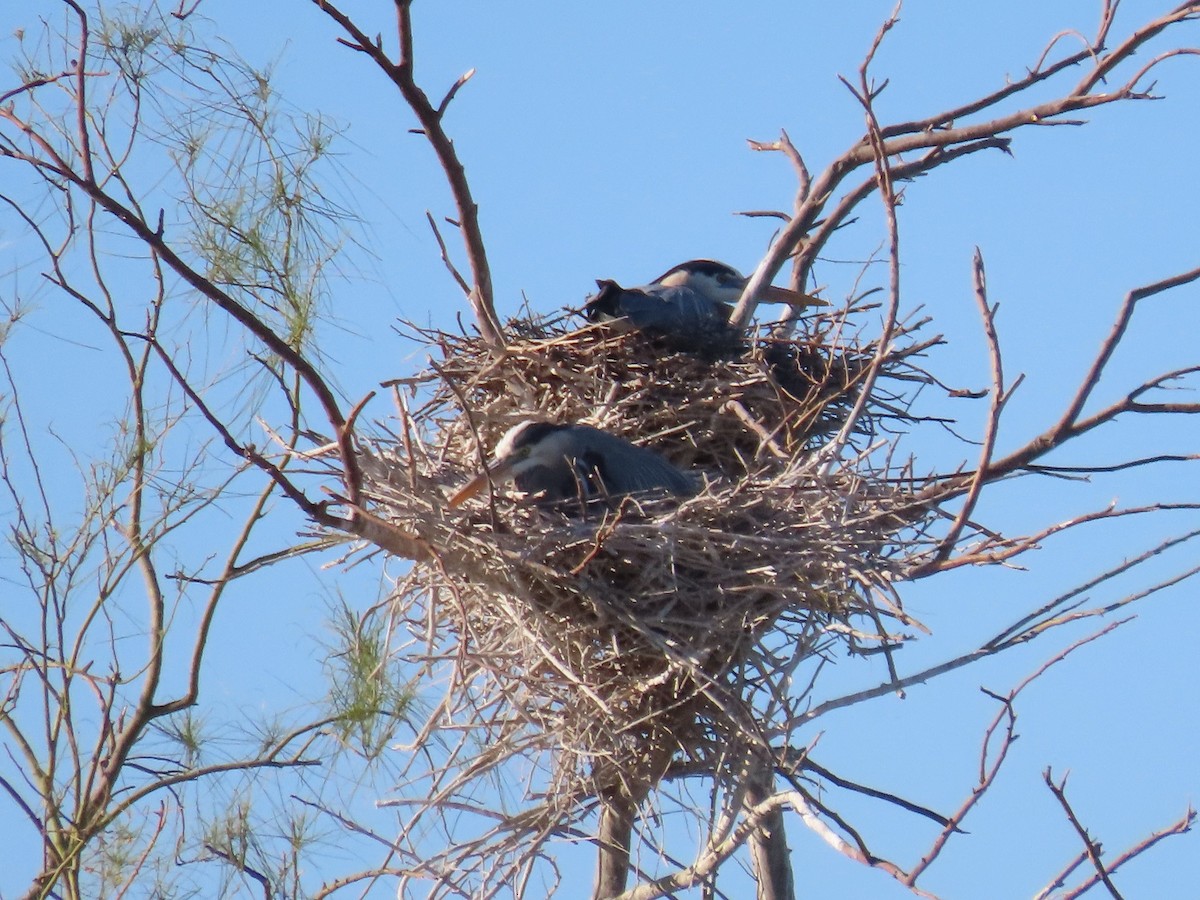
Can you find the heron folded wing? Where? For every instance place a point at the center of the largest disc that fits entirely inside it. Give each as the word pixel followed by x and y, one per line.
pixel 624 468
pixel 553 483
pixel 670 310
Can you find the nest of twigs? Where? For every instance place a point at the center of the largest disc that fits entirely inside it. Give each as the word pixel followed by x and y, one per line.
pixel 624 638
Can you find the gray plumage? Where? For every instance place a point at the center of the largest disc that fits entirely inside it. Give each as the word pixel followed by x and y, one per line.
pixel 565 461
pixel 689 305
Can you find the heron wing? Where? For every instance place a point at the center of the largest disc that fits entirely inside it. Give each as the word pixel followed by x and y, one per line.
pixel 673 310
pixel 552 482
pixel 664 309
pixel 627 469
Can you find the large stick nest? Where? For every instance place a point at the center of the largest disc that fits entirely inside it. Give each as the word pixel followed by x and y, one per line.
pixel 624 639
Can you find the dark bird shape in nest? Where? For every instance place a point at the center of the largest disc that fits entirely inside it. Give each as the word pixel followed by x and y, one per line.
pixel 688 306
pixel 571 461
pixel 823 384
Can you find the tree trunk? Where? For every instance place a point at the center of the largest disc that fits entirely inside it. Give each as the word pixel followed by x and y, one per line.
pixel 769 853
pixel 612 854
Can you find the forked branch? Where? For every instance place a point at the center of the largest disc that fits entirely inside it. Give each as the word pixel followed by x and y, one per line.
pixel 944 136
pixel 401 73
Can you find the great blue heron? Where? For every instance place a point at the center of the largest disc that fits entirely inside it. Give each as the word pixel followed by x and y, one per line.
pixel 562 461
pixel 689 305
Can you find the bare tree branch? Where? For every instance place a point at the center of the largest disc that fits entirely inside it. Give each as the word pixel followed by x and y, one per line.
pixel 1091 847
pixel 401 74
pixel 1181 826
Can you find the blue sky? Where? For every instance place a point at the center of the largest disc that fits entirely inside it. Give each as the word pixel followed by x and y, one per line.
pixel 608 140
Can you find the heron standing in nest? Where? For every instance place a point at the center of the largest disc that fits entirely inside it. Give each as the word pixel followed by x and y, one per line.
pixel 566 461
pixel 689 305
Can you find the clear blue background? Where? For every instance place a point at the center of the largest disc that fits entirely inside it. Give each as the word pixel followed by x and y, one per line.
pixel 608 140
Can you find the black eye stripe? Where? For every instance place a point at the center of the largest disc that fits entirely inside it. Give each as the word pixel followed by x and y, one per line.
pixel 709 267
pixel 534 432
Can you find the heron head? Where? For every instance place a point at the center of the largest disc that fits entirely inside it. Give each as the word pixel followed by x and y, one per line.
pixel 723 283
pixel 513 452
pixel 715 280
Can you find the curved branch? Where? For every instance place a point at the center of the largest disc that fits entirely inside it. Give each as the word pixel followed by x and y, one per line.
pixel 940 135
pixel 401 74
pixel 154 240
pixel 1070 425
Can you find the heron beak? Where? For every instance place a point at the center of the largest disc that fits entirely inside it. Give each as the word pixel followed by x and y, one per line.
pixel 494 472
pixel 773 294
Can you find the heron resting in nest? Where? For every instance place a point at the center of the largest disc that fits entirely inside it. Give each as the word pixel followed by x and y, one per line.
pixel 556 461
pixel 689 305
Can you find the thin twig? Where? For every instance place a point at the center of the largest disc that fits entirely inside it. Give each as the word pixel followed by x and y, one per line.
pixel 1092 847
